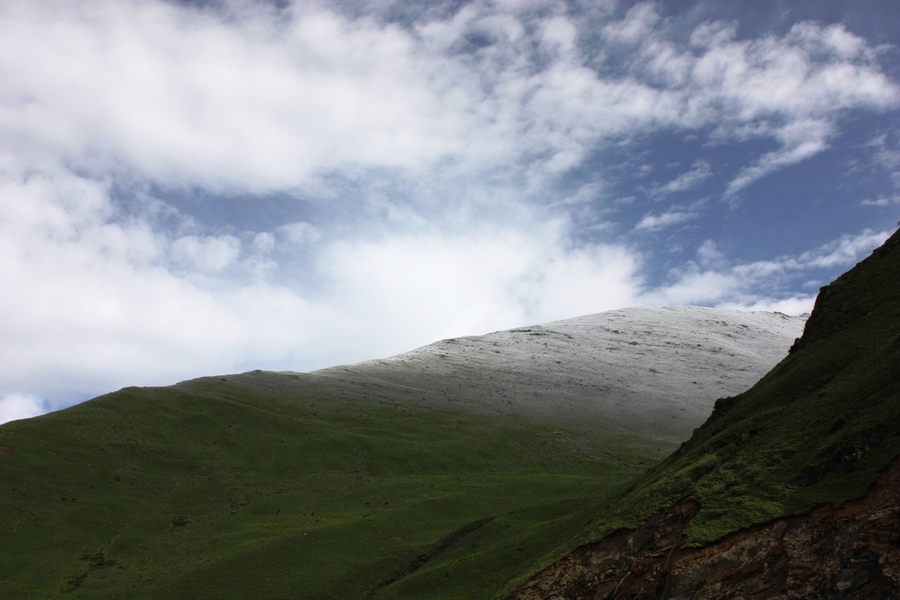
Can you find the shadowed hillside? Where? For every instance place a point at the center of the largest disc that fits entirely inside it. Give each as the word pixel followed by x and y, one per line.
pixel 747 506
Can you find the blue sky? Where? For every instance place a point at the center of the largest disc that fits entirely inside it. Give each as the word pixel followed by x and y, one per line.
pixel 198 188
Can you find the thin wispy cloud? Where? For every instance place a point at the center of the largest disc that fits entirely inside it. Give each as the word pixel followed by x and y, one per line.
pixel 653 222
pixel 196 188
pixel 689 180
pixel 882 201
pixel 713 279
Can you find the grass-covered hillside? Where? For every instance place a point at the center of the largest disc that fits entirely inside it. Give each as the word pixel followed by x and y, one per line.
pixel 233 490
pixel 817 429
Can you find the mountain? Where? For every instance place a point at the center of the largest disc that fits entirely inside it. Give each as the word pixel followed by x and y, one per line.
pixel 789 490
pixel 448 471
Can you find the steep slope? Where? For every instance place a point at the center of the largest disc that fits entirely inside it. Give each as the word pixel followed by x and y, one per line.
pixel 763 475
pixel 364 481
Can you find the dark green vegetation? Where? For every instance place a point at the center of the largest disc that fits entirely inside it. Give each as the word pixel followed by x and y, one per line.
pixel 817 429
pixel 216 488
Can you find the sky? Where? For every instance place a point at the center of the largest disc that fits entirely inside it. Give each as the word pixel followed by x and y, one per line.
pixel 197 188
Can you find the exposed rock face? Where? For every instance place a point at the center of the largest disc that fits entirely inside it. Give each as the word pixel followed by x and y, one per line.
pixel 850 552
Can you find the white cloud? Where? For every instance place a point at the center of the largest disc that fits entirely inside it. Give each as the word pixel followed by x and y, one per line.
pixel 699 173
pixel 208 253
pixel 666 219
pixel 710 257
pixel 20 406
pixel 698 287
pixel 712 34
pixel 882 201
pixel 715 281
pixel 639 24
pixel 246 97
pixel 795 305
pixel 300 232
pixel 238 100
pixel 800 140
pixel 477 281
pixel 886 155
pixel 844 251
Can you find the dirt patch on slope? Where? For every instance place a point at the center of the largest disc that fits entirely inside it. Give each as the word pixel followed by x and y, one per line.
pixel 849 552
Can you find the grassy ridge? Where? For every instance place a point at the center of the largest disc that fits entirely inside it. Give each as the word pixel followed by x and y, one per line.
pixel 213 488
pixel 817 429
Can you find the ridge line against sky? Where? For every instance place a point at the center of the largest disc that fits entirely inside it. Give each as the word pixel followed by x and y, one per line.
pixel 191 188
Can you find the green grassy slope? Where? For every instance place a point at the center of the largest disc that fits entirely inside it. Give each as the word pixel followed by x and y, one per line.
pixel 817 429
pixel 236 488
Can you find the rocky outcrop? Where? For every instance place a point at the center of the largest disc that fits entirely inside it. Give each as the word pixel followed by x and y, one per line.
pixel 851 552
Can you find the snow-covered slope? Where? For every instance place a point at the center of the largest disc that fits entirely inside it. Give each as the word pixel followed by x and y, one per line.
pixel 635 370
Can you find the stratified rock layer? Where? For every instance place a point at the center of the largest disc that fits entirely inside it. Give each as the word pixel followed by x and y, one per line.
pixel 850 552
